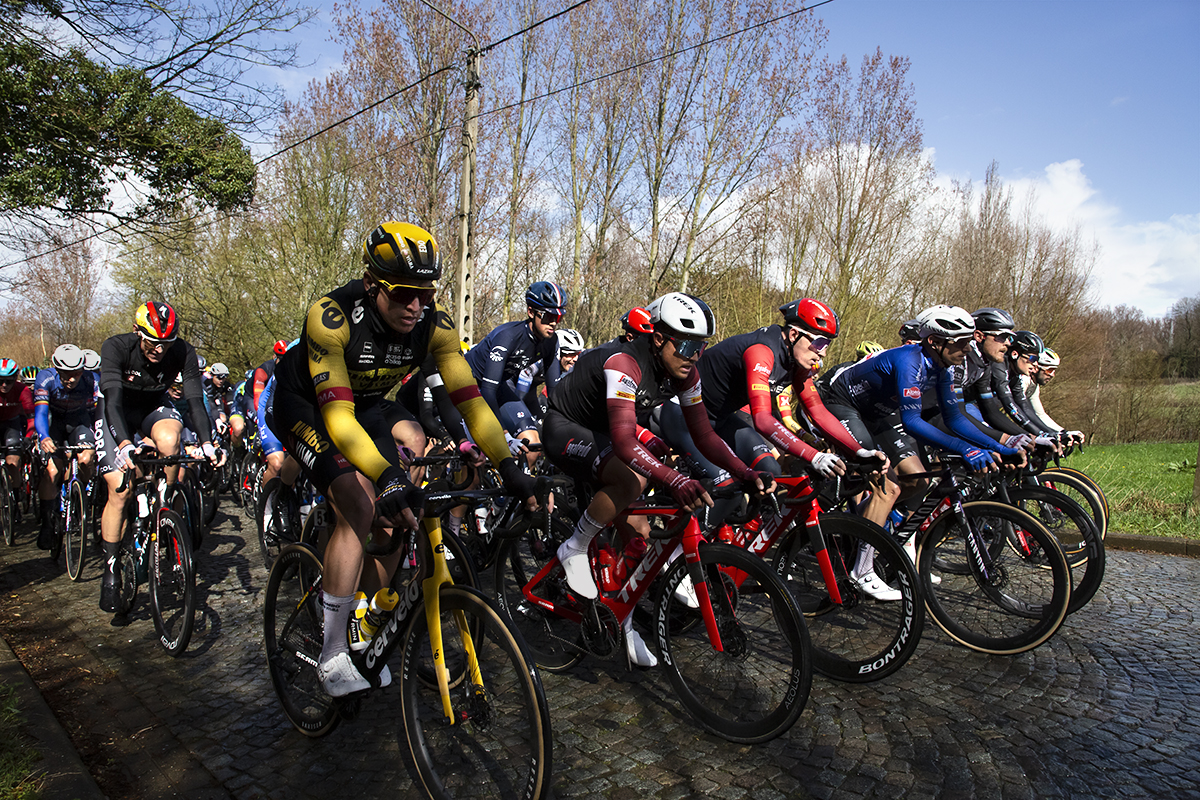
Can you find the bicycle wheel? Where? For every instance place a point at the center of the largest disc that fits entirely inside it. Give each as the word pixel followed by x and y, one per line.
pixel 293 625
pixel 172 583
pixel 553 641
pixel 75 533
pixel 1022 602
pixel 6 508
pixel 1076 533
pixel 859 639
pixel 59 529
pixel 755 688
pixel 1082 490
pixel 499 745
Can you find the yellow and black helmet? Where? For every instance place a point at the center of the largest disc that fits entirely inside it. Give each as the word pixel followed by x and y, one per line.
pixel 400 250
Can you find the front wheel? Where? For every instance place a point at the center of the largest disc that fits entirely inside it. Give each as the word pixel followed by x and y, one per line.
pixel 755 687
pixel 1075 531
pixel 172 583
pixel 498 744
pixel 75 531
pixel 858 639
pixel 1009 599
pixel 6 508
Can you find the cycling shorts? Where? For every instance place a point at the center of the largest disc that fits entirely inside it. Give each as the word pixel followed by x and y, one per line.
pixel 106 453
pixel 885 433
pixel 72 432
pixel 577 451
pixel 305 437
pixel 516 419
pixel 12 431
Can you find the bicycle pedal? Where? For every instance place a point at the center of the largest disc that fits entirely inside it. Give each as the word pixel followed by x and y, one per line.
pixel 349 705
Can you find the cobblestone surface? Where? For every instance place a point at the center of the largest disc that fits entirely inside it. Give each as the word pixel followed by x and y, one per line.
pixel 1109 708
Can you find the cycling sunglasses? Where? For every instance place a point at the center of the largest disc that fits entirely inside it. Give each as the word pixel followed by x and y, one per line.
pixel 548 317
pixel 686 348
pixel 818 344
pixel 156 344
pixel 403 294
pixel 1003 337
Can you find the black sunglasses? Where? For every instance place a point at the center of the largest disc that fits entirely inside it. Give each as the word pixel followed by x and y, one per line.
pixel 686 348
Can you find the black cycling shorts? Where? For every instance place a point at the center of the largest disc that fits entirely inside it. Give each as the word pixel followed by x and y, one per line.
pixel 577 451
pixel 886 433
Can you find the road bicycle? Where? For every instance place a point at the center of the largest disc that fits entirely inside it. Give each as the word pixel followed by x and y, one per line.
pixel 73 521
pixel 13 496
pixel 854 637
pixel 740 663
pixel 473 713
pixel 157 547
pixel 1004 585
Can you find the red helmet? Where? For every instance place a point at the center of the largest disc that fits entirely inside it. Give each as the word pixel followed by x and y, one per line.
pixel 156 321
pixel 811 316
pixel 637 320
pixel 280 347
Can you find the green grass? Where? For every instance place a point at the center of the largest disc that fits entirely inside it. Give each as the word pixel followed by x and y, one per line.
pixel 1147 485
pixel 17 757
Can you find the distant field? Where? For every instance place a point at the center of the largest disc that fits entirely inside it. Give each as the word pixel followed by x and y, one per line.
pixel 1146 484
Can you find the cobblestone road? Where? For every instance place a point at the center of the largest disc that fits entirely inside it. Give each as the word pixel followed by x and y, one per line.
pixel 1109 708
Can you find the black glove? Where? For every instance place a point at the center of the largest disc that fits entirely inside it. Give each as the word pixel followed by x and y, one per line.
pixel 396 493
pixel 516 481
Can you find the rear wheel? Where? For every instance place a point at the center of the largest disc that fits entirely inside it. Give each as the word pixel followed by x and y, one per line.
pixel 172 583
pixel 1083 490
pixel 6 507
pixel 858 639
pixel 756 686
pixel 293 632
pixel 1010 605
pixel 1076 534
pixel 499 745
pixel 75 530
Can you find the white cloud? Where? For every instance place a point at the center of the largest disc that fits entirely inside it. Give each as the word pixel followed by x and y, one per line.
pixel 1146 264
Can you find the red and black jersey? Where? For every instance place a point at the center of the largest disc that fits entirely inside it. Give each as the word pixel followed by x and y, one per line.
pixel 17 402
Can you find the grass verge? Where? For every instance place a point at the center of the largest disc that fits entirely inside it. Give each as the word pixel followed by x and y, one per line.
pixel 1147 484
pixel 17 756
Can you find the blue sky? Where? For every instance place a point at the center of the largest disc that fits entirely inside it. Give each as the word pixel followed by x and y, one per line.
pixel 1093 105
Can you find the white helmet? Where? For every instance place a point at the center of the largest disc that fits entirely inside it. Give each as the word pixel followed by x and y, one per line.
pixel 68 357
pixel 682 314
pixel 1048 358
pixel 569 340
pixel 219 370
pixel 91 359
pixel 950 322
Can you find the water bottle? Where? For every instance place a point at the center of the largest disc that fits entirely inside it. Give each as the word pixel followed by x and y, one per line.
pixel 358 641
pixel 374 617
pixel 635 548
pixel 143 505
pixel 606 560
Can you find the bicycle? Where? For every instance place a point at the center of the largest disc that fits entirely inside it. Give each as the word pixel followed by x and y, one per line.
pixel 473 710
pixel 744 674
pixel 1005 585
pixel 9 511
pixel 157 546
pixel 74 512
pixel 854 638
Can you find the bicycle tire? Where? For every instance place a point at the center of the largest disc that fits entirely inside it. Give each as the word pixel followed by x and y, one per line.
pixel 757 687
pixel 1076 533
pixel 553 641
pixel 58 530
pixel 127 566
pixel 1081 489
pixel 75 531
pixel 172 583
pixel 1026 603
pixel 858 640
pixel 500 745
pixel 6 508
pixel 293 632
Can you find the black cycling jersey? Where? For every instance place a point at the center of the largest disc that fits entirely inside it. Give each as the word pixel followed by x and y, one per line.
pixel 133 386
pixel 581 394
pixel 974 377
pixel 497 360
pixel 220 401
pixel 723 370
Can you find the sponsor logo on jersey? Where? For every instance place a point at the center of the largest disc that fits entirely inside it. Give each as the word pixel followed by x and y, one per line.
pixel 759 387
pixel 442 320
pixel 578 449
pixel 762 369
pixel 332 318
pixel 497 353
pixel 310 437
pixel 912 393
pixel 356 315
pixel 628 383
pixel 624 395
pixel 367 347
pixel 319 379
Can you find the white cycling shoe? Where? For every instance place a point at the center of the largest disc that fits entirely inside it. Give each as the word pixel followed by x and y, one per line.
pixel 910 549
pixel 873 586
pixel 685 593
pixel 638 651
pixel 339 677
pixel 578 571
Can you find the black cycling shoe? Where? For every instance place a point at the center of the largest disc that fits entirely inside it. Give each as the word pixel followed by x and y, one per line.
pixel 110 591
pixel 45 538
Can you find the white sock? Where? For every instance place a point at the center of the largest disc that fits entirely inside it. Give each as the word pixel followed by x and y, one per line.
pixel 337 617
pixel 585 531
pixel 639 652
pixel 866 560
pixel 453 523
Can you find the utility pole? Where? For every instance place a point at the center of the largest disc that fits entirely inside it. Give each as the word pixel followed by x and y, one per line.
pixel 464 298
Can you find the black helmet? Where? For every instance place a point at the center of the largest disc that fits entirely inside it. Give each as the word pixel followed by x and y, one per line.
pixel 400 250
pixel 910 330
pixel 993 320
pixel 1026 343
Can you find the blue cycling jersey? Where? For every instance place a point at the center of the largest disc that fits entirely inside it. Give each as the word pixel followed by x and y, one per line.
pixel 77 405
pixel 498 359
pixel 895 380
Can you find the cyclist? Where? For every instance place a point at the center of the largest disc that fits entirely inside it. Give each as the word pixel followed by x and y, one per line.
pixel 635 323
pixel 910 332
pixel 1047 365
pixel 532 385
pixel 29 375
pixel 91 362
pixel 220 393
pixel 595 431
pixel 265 370
pixel 65 400
pixel 359 341
pixel 16 417
pixel 865 349
pixel 499 358
pixel 136 371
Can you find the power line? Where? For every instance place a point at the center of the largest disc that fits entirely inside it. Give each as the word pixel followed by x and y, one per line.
pixel 525 30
